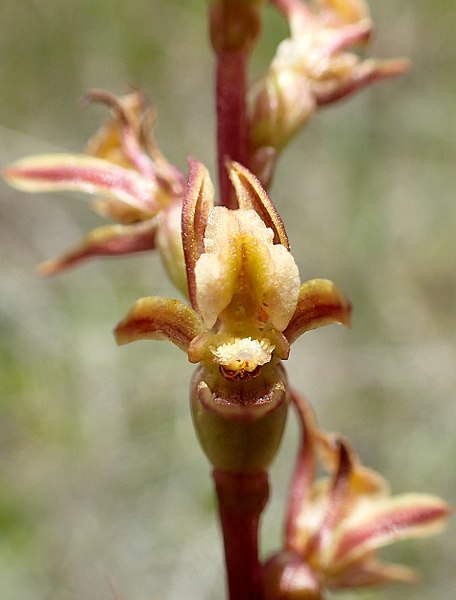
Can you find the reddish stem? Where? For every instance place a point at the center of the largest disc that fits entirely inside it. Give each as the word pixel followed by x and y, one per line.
pixel 234 27
pixel 241 500
pixel 231 88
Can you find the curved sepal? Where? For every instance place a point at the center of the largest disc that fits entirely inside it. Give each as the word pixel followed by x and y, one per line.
pixel 198 201
pixel 156 318
pixel 110 240
pixel 363 74
pixel 77 172
pixel 372 572
pixel 320 303
pixel 362 480
pixel 251 195
pixel 127 139
pixel 304 471
pixel 119 140
pixel 386 521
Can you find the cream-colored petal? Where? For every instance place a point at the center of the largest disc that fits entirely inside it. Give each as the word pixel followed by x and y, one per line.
pixel 217 269
pixel 273 276
pixel 169 244
pixel 282 292
pixel 156 318
pixel 215 284
pixel 77 172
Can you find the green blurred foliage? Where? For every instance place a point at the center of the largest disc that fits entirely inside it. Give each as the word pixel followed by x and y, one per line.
pixel 102 483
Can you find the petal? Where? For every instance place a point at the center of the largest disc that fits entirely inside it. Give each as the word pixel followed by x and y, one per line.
pixel 107 141
pixel 198 201
pixel 155 318
pixel 54 172
pixel 127 139
pixel 251 195
pixel 217 269
pixel 372 572
pixel 338 495
pixel 352 34
pixel 346 11
pixel 169 244
pixel 363 480
pixel 272 273
pixel 281 290
pixel 303 475
pixel 369 71
pixel 118 211
pixel 298 14
pixel 319 303
pixel 336 504
pixel 383 522
pixel 111 240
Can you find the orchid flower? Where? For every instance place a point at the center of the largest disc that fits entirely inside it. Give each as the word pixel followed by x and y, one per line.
pixel 311 68
pixel 248 304
pixel 133 183
pixel 247 307
pixel 336 523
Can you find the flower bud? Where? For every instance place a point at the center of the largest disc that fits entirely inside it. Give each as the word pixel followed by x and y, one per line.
pixel 282 104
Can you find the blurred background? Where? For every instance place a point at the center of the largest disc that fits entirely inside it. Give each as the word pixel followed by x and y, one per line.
pixel 103 486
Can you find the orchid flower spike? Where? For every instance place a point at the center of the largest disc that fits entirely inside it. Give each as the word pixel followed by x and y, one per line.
pixel 133 184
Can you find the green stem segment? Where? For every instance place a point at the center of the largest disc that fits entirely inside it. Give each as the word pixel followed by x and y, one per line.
pixel 242 498
pixel 234 27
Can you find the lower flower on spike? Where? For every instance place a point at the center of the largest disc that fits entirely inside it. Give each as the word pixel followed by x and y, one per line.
pixel 336 524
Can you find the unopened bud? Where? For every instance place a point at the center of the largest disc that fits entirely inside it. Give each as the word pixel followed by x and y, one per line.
pixel 282 104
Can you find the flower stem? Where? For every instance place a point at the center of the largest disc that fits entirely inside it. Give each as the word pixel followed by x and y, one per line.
pixel 231 118
pixel 241 500
pixel 234 27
